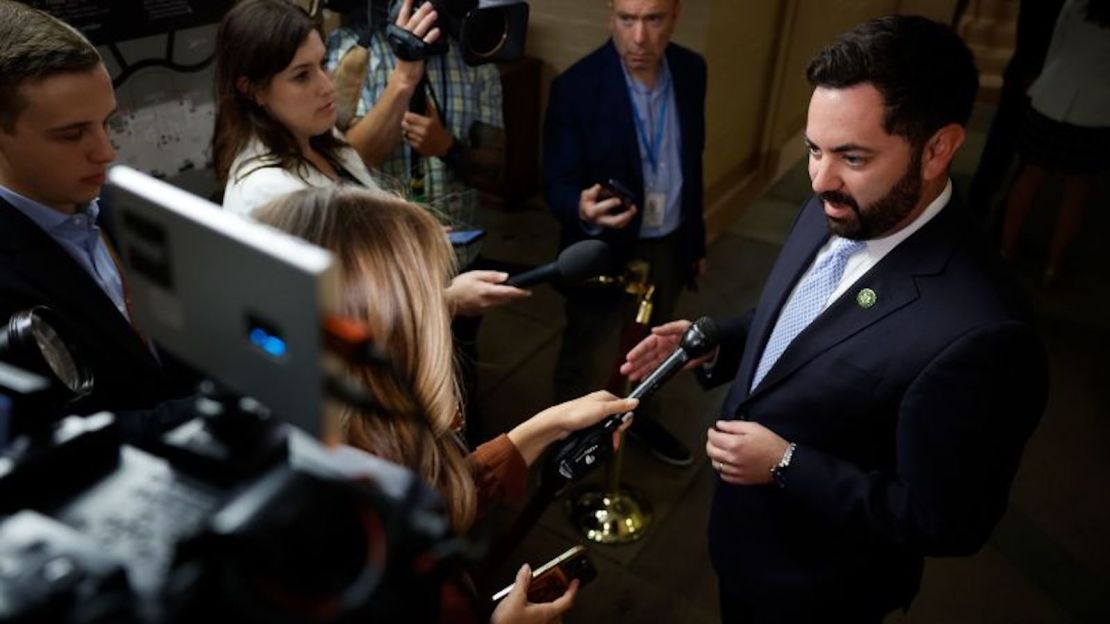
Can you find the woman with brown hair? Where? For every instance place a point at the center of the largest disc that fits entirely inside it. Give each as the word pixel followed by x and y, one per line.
pixel 394 263
pixel 275 108
pixel 275 122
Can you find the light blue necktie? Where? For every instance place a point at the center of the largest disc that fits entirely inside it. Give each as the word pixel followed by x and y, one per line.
pixel 807 302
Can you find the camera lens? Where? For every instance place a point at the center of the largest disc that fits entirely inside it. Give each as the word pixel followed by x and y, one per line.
pixel 486 31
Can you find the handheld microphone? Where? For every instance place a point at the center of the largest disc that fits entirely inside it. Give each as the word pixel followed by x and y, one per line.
pixel 575 263
pixel 699 339
pixel 589 447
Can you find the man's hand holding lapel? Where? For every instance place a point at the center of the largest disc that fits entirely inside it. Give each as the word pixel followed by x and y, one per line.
pixel 743 452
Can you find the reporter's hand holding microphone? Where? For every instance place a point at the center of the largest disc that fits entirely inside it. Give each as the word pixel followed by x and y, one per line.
pixel 658 358
pixel 531 438
pixel 741 452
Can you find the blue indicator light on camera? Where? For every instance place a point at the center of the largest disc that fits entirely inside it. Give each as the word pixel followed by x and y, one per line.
pixel 268 342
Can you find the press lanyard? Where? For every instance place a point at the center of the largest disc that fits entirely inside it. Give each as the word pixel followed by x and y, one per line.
pixel 655 145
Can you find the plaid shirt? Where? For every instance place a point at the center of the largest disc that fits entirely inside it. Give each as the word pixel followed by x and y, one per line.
pixel 464 95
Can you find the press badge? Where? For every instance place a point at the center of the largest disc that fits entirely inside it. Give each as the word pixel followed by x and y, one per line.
pixel 654 205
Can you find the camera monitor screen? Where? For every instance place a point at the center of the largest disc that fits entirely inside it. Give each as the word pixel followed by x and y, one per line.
pixel 240 302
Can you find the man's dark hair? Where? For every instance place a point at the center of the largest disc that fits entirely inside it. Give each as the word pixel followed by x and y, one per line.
pixel 33 46
pixel 924 71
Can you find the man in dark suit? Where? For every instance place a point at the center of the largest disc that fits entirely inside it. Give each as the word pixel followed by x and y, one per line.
pixel 631 111
pixel 56 98
pixel 889 377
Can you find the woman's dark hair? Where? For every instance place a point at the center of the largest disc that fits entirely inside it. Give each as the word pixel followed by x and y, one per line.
pixel 258 39
pixel 924 71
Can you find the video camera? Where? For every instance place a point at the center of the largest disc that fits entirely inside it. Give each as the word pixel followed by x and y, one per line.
pixel 233 513
pixel 487 31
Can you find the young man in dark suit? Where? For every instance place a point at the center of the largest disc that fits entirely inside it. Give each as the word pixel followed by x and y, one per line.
pixel 56 99
pixel 886 382
pixel 631 111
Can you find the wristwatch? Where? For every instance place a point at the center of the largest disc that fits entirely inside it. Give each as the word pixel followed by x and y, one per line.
pixel 778 471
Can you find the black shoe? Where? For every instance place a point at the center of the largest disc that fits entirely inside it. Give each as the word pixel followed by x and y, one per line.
pixel 662 443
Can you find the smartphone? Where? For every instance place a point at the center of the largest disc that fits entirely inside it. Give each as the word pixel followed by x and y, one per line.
pixel 614 188
pixel 461 238
pixel 551 580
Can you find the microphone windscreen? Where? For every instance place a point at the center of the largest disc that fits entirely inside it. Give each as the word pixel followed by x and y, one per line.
pixel 703 340
pixel 583 259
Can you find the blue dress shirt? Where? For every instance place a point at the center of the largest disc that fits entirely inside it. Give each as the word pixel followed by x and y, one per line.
pixel 666 176
pixel 81 238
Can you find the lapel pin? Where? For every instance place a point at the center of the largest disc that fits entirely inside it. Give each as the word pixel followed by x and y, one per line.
pixel 866 298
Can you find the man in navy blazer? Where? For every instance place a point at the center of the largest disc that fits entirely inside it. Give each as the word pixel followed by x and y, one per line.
pixel 56 99
pixel 886 382
pixel 631 111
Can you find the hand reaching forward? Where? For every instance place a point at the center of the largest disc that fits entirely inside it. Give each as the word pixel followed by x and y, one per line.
pixel 532 436
pixel 474 292
pixel 650 353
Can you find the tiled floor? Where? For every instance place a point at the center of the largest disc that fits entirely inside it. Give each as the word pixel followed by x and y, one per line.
pixel 1049 560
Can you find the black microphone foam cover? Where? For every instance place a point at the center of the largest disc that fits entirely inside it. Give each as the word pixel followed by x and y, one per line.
pixel 583 259
pixel 702 337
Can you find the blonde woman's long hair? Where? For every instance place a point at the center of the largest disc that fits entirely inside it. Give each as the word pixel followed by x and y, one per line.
pixel 395 263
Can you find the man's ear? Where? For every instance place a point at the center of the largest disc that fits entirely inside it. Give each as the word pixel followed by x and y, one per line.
pixel 940 149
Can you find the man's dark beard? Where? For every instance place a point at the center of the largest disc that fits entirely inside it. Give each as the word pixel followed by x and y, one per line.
pixel 879 218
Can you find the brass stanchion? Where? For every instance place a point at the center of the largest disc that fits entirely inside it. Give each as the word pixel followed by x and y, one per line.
pixel 618 513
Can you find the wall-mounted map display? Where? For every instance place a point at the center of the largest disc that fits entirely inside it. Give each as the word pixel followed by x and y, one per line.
pixel 109 21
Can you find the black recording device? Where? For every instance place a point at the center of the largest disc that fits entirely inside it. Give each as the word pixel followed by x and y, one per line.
pixel 210 527
pixel 233 513
pixel 32 343
pixel 614 188
pixel 487 31
pixel 585 450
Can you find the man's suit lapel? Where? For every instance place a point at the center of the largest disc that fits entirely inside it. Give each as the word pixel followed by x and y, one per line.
pixel 893 281
pixel 46 265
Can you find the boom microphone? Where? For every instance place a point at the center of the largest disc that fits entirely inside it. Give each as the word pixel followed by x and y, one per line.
pixel 589 447
pixel 575 263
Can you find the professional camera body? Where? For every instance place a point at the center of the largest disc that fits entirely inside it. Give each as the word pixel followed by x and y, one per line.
pixel 487 31
pixel 233 515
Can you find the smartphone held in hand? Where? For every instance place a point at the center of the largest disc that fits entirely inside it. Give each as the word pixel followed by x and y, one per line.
pixel 550 581
pixel 614 188
pixel 462 238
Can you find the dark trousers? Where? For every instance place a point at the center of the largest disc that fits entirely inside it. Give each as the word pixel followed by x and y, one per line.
pixel 796 610
pixel 595 316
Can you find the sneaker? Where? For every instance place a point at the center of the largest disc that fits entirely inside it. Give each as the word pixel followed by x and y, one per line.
pixel 662 443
